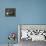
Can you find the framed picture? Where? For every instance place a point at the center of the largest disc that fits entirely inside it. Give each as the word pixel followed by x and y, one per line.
pixel 10 11
pixel 32 32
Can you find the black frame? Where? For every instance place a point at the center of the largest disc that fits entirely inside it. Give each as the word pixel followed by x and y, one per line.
pixel 10 11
